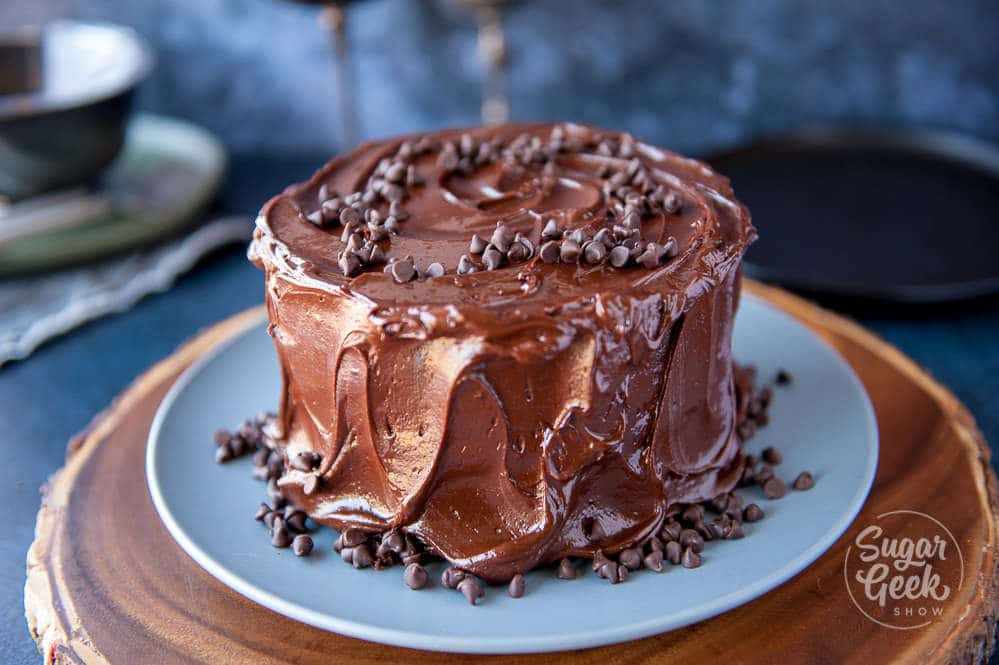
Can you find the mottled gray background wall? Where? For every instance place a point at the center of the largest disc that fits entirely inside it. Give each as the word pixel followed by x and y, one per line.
pixel 692 74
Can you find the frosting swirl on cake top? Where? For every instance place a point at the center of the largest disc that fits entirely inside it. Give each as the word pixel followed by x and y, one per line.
pixel 603 198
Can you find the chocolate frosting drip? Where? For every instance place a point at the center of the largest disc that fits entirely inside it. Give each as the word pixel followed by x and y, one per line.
pixel 516 416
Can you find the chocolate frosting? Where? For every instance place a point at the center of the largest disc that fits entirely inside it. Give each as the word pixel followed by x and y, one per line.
pixel 511 417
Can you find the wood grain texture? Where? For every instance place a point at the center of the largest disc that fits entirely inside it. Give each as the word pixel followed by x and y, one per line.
pixel 107 584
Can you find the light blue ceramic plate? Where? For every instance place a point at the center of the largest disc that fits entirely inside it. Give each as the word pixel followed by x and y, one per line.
pixel 823 422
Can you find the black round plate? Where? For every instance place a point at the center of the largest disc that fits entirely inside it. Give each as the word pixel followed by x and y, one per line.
pixel 902 216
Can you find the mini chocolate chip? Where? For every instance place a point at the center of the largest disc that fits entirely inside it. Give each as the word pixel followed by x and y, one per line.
pixel 311 484
pixel 673 551
pixel 566 570
pixel 392 225
pixel 619 256
pixel 413 179
pixel 632 220
pixel 569 252
pixel 270 517
pixel 349 217
pixel 551 230
pixel 325 193
pixel 239 446
pixel 735 532
pixel 465 265
pixel 719 504
pixel 451 577
pixel 783 377
pixel 670 248
pixel 693 513
pixel 435 270
pixel 362 556
pixel 416 576
pixel 393 193
pixel 604 236
pixel 275 467
pixel 349 230
pixel 383 554
pixel 772 456
pixel 485 154
pixel 719 528
pixel 650 257
pixel 654 544
pixel 671 531
pixel 274 494
pixel 502 237
pixel 377 255
pixel 302 545
pixel 622 573
pixel 426 144
pixel 347 554
pixel 224 453
pixel 654 561
pixel 262 512
pixel 804 481
pixel 403 270
pixel 599 559
pixel 521 239
pixel 764 473
pixel 221 436
pixel 353 537
pixel 406 151
pixel 492 258
pixel 467 145
pixel 609 571
pixel 471 590
pixel 409 557
pixel 396 173
pixel 394 541
pixel 329 213
pixel 517 586
pixel 477 245
pixel 631 558
pixel 594 252
pixel 753 513
pixel 280 536
pixel 774 488
pixel 296 522
pixel 671 203
pixel 691 539
pixel 549 252
pixel 355 242
pixel 691 559
pixel 518 252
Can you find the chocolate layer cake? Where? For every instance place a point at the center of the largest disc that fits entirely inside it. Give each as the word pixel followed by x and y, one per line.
pixel 511 343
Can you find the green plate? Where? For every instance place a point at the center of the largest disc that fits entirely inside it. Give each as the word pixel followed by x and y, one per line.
pixel 167 173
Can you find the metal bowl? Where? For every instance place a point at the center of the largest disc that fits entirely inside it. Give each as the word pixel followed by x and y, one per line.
pixel 66 93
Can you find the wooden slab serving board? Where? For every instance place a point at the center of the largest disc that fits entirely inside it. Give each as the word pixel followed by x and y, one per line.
pixel 107 584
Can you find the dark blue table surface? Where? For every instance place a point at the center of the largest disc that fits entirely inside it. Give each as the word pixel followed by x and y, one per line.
pixel 54 393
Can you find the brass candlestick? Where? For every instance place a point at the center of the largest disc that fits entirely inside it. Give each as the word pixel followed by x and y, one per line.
pixel 492 50
pixel 333 19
